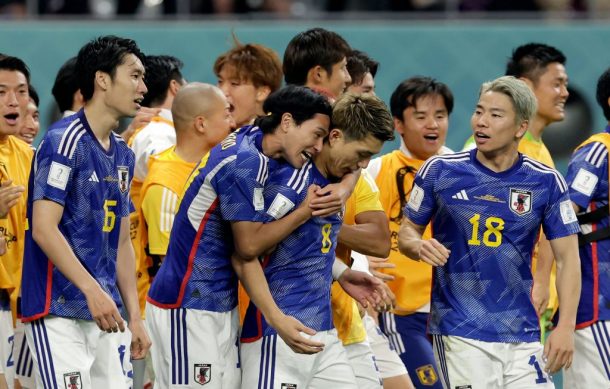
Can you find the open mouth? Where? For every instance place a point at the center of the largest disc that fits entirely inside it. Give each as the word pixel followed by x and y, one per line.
pixel 11 118
pixel 306 156
pixel 231 108
pixel 431 137
pixel 480 135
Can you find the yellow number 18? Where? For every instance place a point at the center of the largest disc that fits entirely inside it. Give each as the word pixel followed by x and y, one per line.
pixel 492 237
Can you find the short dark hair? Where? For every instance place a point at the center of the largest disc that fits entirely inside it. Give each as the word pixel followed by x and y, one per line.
pixel 33 95
pixel 358 116
pixel 412 89
pixel 603 93
pixel 160 71
pixel 358 64
pixel 65 85
pixel 530 60
pixel 253 63
pixel 299 101
pixel 309 49
pixel 14 64
pixel 103 54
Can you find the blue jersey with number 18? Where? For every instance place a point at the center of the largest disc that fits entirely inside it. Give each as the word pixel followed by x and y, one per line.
pixel 72 168
pixel 490 222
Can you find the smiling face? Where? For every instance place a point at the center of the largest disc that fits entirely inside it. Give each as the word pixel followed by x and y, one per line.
pixel 31 124
pixel 494 124
pixel 14 97
pixel 245 99
pixel 303 142
pixel 367 85
pixel 551 90
pixel 125 91
pixel 345 156
pixel 424 125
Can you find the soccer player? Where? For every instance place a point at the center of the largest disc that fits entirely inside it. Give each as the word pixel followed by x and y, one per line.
pixel 486 207
pixel 191 308
pixel 362 70
pixel 202 119
pixel 15 160
pixel 31 123
pixel 79 263
pixel 588 181
pixel 247 74
pixel 298 272
pixel 421 107
pixel 317 58
pixel 542 68
pixel 65 89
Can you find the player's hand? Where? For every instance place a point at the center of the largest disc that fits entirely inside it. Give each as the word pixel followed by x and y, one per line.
pixel 559 349
pixel 365 289
pixel 140 342
pixel 389 303
pixel 540 297
pixel 104 311
pixel 330 200
pixel 375 264
pixel 142 118
pixel 290 329
pixel 9 196
pixel 433 252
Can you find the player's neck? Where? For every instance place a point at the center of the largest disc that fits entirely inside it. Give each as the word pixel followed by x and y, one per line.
pixel 272 145
pixel 101 122
pixel 190 150
pixel 537 127
pixel 321 161
pixel 499 160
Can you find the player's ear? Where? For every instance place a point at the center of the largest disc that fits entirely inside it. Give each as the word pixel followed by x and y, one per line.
pixel 262 92
pixel 200 124
pixel 316 75
pixel 399 125
pixel 334 136
pixel 286 121
pixel 102 79
pixel 522 129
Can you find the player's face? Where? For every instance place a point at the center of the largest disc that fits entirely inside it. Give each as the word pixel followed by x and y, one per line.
pixel 551 91
pixel 127 89
pixel 337 81
pixel 220 121
pixel 14 97
pixel 424 126
pixel 366 86
pixel 31 124
pixel 303 142
pixel 245 99
pixel 493 123
pixel 347 156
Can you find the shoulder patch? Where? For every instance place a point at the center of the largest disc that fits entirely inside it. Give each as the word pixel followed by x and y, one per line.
pixel 58 175
pixel 416 198
pixel 280 206
pixel 584 182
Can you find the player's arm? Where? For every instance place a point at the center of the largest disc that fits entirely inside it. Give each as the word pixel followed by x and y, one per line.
pixel 370 235
pixel 559 347
pixel 9 196
pixel 542 276
pixel 46 216
pixel 126 281
pixel 253 279
pixel 411 244
pixel 333 197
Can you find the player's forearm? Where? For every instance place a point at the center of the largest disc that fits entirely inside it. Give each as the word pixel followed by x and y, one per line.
pixel 367 239
pixel 267 235
pixel 126 279
pixel 56 248
pixel 544 263
pixel 410 239
pixel 250 274
pixel 568 279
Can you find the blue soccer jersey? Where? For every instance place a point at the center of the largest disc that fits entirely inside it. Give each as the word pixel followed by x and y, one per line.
pixel 587 178
pixel 299 271
pixel 490 222
pixel 72 168
pixel 197 271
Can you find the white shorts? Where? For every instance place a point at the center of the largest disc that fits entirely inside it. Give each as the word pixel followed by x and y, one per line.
pixel 474 364
pixel 269 363
pixel 388 361
pixel 24 364
pixel 192 347
pixel 7 354
pixel 591 364
pixel 361 359
pixel 76 352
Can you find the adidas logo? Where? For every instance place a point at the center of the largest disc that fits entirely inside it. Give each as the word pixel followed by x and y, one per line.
pixel 93 177
pixel 461 195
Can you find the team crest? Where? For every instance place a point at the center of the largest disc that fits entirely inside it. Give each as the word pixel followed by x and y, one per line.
pixel 123 178
pixel 520 201
pixel 203 373
pixel 72 380
pixel 427 375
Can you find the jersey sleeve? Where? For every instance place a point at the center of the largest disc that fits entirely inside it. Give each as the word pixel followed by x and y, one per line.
pixel 367 194
pixel 586 170
pixel 559 218
pixel 159 207
pixel 54 169
pixel 421 205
